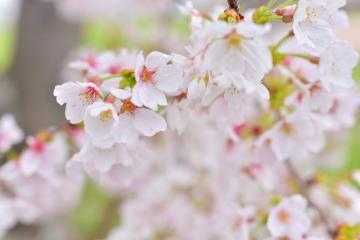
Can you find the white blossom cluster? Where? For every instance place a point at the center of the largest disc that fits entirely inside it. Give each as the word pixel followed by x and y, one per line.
pixel 282 98
pixel 33 182
pixel 223 142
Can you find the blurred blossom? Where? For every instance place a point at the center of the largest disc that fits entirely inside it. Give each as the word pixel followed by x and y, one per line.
pixel 10 133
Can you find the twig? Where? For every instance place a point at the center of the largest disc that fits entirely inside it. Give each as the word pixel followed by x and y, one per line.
pixel 305 191
pixel 233 4
pixel 234 10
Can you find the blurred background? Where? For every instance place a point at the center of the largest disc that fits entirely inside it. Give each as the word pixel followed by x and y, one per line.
pixel 38 38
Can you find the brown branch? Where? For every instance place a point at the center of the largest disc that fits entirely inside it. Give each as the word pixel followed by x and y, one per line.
pixel 233 4
pixel 234 10
pixel 304 188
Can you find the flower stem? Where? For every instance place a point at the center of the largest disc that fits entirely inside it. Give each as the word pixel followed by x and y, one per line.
pixel 271 3
pixel 111 77
pixel 287 3
pixel 283 40
pixel 312 59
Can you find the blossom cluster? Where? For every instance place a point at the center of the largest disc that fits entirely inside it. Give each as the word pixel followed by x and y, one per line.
pixel 33 182
pixel 229 135
pixel 280 99
pixel 119 103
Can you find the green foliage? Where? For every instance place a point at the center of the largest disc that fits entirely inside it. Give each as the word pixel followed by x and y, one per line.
pixel 347 232
pixel 96 214
pixel 7 42
pixel 354 142
pixel 356 73
pixel 103 36
pixel 128 79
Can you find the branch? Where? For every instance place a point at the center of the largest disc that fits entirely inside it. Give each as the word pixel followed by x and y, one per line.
pixel 233 4
pixel 234 10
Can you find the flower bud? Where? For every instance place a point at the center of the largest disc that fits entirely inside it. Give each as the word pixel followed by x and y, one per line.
pixel 287 13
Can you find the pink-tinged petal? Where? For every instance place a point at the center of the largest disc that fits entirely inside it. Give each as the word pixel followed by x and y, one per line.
pixel 75 113
pixel 175 118
pixel 156 59
pixel 100 122
pixel 125 157
pixel 110 84
pixel 10 133
pixel 121 93
pixel 169 78
pixel 196 89
pixel 135 95
pixel 8 215
pixel 126 133
pixel 97 159
pixel 79 65
pixel 77 97
pixel 73 167
pixel 151 97
pixel 68 92
pixel 30 162
pixel 140 61
pixel 148 122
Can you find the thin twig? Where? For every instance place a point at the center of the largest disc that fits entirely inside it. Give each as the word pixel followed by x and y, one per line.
pixel 304 188
pixel 233 4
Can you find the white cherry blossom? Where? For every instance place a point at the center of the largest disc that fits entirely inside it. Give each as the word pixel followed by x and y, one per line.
pixel 297 134
pixel 77 97
pixel 312 26
pixel 135 121
pixel 100 122
pixel 289 218
pixel 337 64
pixel 157 75
pixel 237 57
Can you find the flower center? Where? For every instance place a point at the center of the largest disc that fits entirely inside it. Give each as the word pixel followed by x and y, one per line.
pixel 128 106
pixel 106 115
pixel 92 61
pixel 283 216
pixel 234 39
pixel 89 95
pixel 147 75
pixel 311 14
pixel 287 128
pixel 37 146
pixel 115 69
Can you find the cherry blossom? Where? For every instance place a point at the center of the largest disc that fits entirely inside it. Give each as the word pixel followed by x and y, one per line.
pixel 156 75
pixel 337 64
pixel 135 121
pixel 100 122
pixel 286 136
pixel 312 26
pixel 232 56
pixel 289 218
pixel 77 97
pixel 10 133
